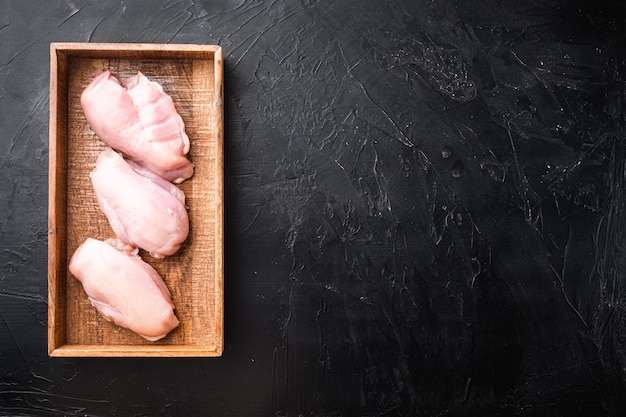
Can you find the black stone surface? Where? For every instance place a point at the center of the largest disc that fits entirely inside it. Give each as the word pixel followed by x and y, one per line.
pixel 425 210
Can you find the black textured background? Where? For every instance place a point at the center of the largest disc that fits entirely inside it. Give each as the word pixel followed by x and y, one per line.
pixel 425 210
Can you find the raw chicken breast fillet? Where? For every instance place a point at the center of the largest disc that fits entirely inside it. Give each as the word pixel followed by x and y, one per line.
pixel 146 212
pixel 136 117
pixel 124 289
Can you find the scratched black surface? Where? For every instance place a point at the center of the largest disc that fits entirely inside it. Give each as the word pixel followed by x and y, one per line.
pixel 424 210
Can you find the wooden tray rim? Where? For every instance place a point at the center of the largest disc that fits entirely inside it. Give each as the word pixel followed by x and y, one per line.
pixel 129 50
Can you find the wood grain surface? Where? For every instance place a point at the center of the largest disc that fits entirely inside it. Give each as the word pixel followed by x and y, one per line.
pixel 192 76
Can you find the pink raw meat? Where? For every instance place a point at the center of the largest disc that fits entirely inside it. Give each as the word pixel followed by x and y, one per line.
pixel 124 289
pixel 146 212
pixel 136 117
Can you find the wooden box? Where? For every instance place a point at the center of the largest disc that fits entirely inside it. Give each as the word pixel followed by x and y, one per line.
pixel 193 76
